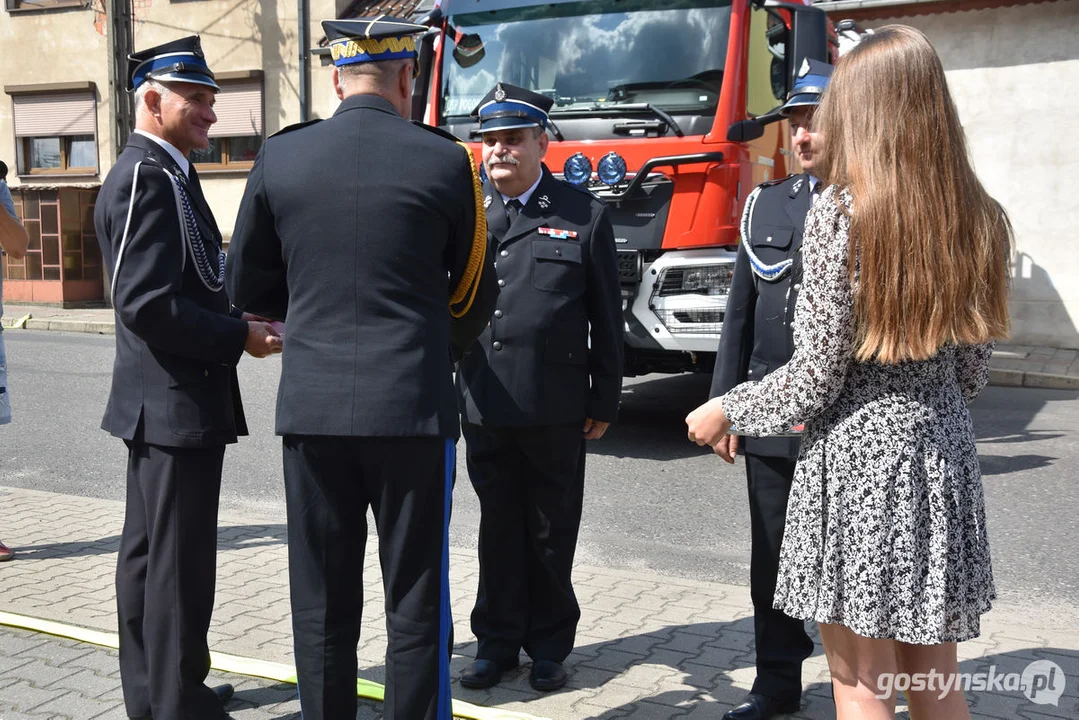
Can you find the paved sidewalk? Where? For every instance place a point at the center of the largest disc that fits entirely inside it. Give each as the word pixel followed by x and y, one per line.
pixel 1012 365
pixel 649 646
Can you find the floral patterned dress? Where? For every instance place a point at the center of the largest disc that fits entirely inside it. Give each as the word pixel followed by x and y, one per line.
pixel 885 530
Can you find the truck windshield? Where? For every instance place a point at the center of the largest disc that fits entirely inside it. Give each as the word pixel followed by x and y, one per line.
pixel 593 56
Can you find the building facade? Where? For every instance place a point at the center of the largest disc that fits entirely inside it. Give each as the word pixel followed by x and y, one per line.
pixel 1012 65
pixel 56 126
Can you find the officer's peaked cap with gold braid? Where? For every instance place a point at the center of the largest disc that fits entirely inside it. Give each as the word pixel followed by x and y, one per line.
pixel 371 39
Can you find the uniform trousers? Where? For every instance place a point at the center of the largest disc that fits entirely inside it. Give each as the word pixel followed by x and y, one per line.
pixel 781 641
pixel 165 578
pixel 330 482
pixel 530 484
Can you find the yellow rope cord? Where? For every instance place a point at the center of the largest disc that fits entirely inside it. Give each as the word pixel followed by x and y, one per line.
pixel 245 666
pixel 470 280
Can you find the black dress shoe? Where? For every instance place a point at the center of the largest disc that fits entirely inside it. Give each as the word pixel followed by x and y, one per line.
pixel 485 673
pixel 224 692
pixel 761 707
pixel 547 675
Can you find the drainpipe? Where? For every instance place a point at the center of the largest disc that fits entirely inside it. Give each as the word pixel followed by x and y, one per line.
pixel 303 41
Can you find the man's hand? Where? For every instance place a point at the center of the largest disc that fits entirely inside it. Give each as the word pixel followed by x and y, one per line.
pixel 594 429
pixel 708 424
pixel 727 448
pixel 262 339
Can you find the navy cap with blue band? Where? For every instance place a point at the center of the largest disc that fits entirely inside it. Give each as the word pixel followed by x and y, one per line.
pixel 177 61
pixel 507 107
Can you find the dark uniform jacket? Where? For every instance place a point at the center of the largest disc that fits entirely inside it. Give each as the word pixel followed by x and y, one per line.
pixel 355 230
pixel 553 351
pixel 757 336
pixel 177 345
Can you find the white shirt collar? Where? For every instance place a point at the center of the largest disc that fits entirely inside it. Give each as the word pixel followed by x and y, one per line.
pixel 526 195
pixel 171 150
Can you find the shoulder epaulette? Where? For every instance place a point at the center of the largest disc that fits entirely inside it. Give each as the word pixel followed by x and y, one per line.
pixel 462 296
pixel 780 181
pixel 777 181
pixel 295 126
pixel 437 130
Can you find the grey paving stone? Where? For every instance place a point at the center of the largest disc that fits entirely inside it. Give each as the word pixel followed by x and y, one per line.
pixel 19 694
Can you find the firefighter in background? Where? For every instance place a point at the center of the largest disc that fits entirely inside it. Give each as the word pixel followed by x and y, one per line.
pixel 544 377
pixel 756 340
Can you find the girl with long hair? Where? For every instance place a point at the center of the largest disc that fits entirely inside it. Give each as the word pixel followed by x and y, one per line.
pixel 904 290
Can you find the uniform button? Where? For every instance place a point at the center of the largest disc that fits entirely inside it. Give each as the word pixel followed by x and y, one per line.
pixel 749 372
pixel 501 282
pixel 206 373
pixel 496 345
pixel 570 356
pixel 505 253
pixel 496 263
pixel 557 251
pixel 797 286
pixel 498 313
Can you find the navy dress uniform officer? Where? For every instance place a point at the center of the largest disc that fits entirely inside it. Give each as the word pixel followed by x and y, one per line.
pixel 545 376
pixel 365 233
pixel 757 338
pixel 174 398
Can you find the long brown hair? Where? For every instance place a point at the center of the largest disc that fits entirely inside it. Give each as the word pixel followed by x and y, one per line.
pixel 929 246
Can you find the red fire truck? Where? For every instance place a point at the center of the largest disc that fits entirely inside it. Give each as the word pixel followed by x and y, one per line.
pixel 662 108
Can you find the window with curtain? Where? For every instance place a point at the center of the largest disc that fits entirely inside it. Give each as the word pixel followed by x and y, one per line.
pixel 56 133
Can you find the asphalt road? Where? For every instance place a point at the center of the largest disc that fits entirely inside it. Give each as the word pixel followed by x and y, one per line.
pixel 653 500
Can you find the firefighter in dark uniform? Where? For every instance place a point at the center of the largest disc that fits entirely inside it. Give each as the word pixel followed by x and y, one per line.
pixel 544 377
pixel 365 234
pixel 174 399
pixel 756 340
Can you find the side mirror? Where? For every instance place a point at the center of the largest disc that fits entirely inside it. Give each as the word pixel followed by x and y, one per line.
pixel 745 130
pixel 421 87
pixel 467 49
pixel 431 18
pixel 809 38
pixel 752 128
pixel 779 79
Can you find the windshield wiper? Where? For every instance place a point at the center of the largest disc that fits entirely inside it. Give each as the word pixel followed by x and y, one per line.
pixel 632 107
pixel 474 134
pixel 554 129
pixel 658 112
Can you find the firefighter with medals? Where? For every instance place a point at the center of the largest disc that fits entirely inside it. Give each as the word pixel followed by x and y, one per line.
pixel 544 377
pixel 757 339
pixel 365 234
pixel 174 399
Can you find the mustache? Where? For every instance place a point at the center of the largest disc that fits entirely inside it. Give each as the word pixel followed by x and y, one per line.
pixel 506 159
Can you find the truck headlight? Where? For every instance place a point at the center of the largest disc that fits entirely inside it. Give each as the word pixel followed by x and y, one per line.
pixel 695 280
pixel 692 300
